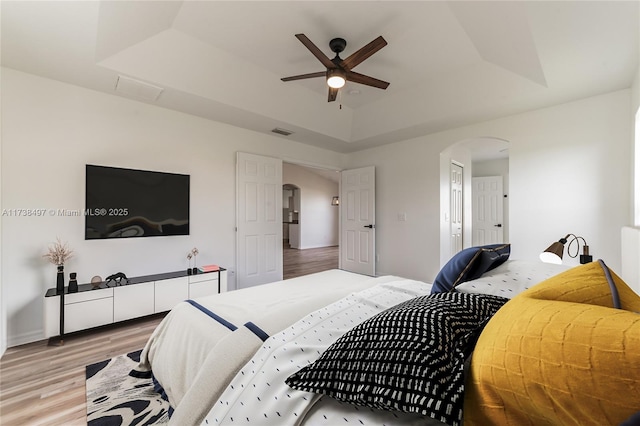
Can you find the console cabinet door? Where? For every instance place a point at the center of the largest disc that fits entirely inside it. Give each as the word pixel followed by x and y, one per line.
pixel 87 310
pixel 171 292
pixel 132 301
pixel 203 285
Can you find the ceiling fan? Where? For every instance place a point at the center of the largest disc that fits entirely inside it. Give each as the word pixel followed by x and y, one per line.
pixel 339 70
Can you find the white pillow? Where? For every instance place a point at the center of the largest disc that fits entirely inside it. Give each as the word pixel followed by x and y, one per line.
pixel 511 278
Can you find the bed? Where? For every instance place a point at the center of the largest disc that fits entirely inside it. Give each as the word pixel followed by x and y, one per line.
pixel 332 348
pixel 223 331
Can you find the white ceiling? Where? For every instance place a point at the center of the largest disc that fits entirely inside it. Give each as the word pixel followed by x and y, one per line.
pixel 449 63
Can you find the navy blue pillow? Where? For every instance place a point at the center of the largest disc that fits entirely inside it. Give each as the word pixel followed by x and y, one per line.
pixel 470 264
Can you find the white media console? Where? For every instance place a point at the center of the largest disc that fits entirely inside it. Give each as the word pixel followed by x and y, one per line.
pixel 92 307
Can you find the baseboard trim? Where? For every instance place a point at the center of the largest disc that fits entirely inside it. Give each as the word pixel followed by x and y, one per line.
pixel 23 339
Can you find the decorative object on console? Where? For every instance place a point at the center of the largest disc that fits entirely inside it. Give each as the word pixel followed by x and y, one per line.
pixel 60 279
pixel 58 254
pixel 553 254
pixel 96 281
pixel 189 270
pixel 73 283
pixel 194 252
pixel 335 201
pixel 118 279
pixel 208 268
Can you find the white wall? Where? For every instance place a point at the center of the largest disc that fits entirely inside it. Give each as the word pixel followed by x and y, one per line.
pixel 3 309
pixel 498 167
pixel 569 172
pixel 51 130
pixel 635 159
pixel 318 218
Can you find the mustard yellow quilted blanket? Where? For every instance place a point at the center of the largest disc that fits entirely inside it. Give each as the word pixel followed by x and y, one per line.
pixel 559 354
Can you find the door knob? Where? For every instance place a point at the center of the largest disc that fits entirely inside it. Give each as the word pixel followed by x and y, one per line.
pixel 498 225
pixel 369 226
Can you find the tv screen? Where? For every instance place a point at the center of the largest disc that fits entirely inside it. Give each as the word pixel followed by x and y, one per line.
pixel 125 203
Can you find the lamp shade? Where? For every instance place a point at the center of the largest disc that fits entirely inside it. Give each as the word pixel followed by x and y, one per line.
pixel 336 78
pixel 553 254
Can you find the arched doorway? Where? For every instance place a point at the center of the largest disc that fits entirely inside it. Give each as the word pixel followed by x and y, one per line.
pixel 460 164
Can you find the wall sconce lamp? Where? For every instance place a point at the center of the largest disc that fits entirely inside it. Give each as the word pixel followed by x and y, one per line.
pixel 553 254
pixel 335 201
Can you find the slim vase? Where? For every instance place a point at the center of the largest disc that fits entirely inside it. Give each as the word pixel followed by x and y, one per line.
pixel 60 280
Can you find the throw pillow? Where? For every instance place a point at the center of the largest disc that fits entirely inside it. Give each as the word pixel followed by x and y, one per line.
pixel 407 358
pixel 559 353
pixel 470 264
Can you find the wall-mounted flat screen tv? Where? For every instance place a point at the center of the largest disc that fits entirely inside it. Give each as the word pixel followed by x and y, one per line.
pixel 125 203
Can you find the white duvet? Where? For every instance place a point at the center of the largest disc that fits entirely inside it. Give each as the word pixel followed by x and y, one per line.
pixel 194 357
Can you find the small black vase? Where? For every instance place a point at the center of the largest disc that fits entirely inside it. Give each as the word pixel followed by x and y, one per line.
pixel 60 280
pixel 73 283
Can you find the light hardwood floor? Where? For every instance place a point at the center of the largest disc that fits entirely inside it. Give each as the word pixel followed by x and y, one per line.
pixel 45 385
pixel 303 262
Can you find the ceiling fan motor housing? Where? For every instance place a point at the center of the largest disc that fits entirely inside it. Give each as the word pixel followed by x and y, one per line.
pixel 337 45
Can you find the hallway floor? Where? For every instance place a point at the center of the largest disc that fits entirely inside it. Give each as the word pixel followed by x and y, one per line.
pixel 303 262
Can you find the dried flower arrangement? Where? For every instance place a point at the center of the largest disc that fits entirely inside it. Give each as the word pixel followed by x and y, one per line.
pixel 194 252
pixel 58 253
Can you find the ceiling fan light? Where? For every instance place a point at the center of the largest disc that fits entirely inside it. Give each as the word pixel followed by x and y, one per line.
pixel 336 78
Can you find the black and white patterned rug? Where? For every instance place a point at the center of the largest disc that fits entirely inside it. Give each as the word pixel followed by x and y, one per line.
pixel 116 395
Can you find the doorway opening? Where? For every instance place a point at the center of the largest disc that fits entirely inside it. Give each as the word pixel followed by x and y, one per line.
pixel 482 157
pixel 310 233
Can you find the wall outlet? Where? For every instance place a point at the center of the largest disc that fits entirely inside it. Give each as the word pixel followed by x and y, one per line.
pixel 402 217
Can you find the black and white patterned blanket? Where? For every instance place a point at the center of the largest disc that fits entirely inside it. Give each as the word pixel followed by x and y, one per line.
pixel 386 335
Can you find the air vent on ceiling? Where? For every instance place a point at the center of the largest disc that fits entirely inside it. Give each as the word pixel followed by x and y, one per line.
pixel 283 132
pixel 137 89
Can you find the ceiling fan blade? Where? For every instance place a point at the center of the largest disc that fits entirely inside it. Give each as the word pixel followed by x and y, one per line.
pixel 366 80
pixel 333 94
pixel 362 54
pixel 316 52
pixel 303 76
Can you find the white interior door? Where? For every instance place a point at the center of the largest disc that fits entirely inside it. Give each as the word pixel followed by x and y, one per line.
pixel 488 212
pixel 456 208
pixel 357 221
pixel 259 220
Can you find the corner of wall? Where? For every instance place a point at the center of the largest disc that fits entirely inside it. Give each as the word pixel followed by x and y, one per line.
pixel 3 310
pixel 635 148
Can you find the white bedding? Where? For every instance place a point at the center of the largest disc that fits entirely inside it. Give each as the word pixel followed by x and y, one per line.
pixel 196 378
pixel 193 379
pixel 511 278
pixel 258 394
